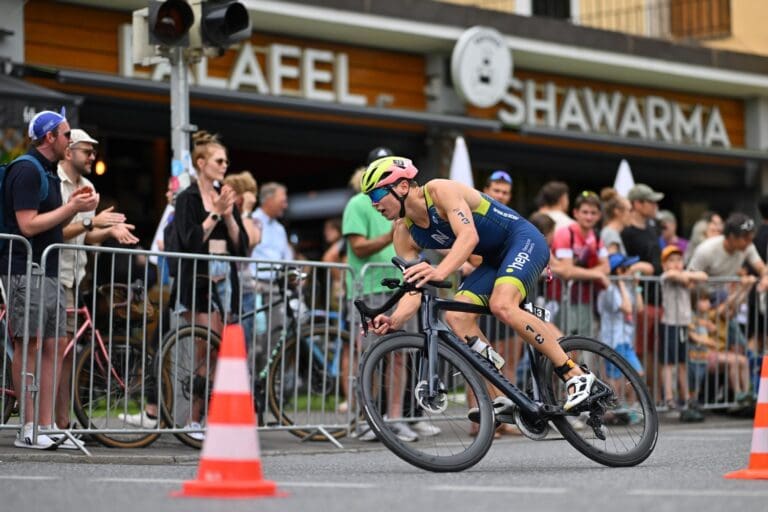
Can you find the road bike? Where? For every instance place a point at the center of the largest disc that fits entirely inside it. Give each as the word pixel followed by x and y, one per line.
pixel 300 378
pixel 616 426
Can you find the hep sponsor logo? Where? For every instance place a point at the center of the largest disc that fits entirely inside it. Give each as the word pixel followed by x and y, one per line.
pixel 519 262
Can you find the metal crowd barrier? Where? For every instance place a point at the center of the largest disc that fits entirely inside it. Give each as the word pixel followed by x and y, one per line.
pixel 138 357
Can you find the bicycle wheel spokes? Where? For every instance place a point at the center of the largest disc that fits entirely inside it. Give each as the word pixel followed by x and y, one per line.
pixel 109 386
pixel 395 394
pixel 188 360
pixel 305 386
pixel 619 427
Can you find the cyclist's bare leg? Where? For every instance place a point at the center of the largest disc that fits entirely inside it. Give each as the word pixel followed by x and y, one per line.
pixel 505 305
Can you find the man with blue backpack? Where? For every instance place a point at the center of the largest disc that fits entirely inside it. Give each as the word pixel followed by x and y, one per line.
pixel 31 207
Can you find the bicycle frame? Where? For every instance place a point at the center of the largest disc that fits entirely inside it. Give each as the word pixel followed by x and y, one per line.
pixel 434 330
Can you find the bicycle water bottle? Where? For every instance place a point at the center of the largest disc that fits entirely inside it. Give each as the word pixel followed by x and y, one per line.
pixel 485 350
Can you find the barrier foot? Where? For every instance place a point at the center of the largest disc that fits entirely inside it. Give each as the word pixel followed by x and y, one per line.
pixel 80 444
pixel 326 434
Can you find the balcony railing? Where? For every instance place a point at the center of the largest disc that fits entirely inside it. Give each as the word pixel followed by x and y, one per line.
pixel 665 19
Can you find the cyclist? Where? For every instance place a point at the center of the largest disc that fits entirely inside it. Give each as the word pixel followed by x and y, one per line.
pixel 444 214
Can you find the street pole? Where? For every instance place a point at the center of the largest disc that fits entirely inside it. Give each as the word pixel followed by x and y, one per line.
pixel 180 122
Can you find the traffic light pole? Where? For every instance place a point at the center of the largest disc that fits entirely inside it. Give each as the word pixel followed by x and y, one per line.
pixel 180 122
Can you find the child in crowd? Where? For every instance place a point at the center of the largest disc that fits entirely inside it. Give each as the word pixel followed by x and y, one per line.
pixel 724 355
pixel 617 305
pixel 675 319
pixel 700 333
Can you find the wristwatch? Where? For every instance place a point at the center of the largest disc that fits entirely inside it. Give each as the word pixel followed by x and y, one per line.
pixel 215 217
pixel 88 224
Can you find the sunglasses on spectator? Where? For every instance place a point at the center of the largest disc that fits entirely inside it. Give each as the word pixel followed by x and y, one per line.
pixel 588 193
pixel 378 194
pixel 747 225
pixel 222 161
pixel 88 152
pixel 500 176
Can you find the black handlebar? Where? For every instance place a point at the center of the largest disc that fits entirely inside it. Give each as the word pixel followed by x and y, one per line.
pixel 402 288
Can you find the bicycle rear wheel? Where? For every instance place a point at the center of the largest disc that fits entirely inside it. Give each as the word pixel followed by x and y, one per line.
pixel 108 386
pixel 304 384
pixel 617 430
pixel 187 361
pixel 399 358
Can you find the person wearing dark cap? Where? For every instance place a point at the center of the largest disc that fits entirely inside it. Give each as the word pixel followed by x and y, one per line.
pixel 618 305
pixel 499 186
pixel 676 285
pixel 640 237
pixel 724 255
pixel 33 209
pixel 376 153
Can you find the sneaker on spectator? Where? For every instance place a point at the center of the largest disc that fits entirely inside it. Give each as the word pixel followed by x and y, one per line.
pixel 689 415
pixel 364 432
pixel 403 432
pixel 140 419
pixel 24 440
pixel 425 428
pixel 64 441
pixel 197 436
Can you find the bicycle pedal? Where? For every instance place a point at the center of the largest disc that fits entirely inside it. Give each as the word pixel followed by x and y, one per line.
pixel 505 418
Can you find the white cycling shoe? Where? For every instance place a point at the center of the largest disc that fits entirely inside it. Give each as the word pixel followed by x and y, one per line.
pixel 578 388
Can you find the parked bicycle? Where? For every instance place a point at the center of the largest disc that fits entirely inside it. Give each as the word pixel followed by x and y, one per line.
pixel 616 426
pixel 301 375
pixel 108 375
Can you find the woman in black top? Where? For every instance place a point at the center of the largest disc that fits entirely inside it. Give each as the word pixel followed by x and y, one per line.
pixel 207 221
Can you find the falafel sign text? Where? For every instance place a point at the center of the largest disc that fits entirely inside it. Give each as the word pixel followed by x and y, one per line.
pixel 322 75
pixel 481 68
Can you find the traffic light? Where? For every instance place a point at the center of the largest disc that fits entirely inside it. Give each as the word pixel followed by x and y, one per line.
pixel 224 23
pixel 169 22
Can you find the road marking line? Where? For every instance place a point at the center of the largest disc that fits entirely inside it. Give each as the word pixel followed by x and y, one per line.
pixel 698 493
pixel 139 480
pixel 344 485
pixel 518 490
pixel 28 477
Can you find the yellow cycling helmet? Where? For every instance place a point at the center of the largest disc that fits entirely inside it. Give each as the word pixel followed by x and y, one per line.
pixel 386 171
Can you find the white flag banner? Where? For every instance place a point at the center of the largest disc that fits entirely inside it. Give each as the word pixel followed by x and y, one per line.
pixel 461 170
pixel 624 180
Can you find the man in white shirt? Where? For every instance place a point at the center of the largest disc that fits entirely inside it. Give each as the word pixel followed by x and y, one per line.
pixel 84 228
pixel 273 201
pixel 724 255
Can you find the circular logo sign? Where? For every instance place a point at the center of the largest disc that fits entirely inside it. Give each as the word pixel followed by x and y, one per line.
pixel 481 66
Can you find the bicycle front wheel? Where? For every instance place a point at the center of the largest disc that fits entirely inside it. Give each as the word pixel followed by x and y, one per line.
pixel 393 392
pixel 305 385
pixel 187 361
pixel 110 384
pixel 618 430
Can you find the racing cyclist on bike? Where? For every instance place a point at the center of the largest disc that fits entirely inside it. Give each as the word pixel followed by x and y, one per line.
pixel 444 214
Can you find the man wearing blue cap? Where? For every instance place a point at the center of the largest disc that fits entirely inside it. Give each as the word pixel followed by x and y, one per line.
pixel 38 215
pixel 499 186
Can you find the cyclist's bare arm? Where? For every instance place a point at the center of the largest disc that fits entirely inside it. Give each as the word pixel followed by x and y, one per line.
pixel 409 304
pixel 452 201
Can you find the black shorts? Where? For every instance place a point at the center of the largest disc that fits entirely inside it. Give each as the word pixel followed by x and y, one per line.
pixel 674 344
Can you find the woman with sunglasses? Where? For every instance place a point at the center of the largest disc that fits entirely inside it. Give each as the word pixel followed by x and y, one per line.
pixel 445 214
pixel 208 222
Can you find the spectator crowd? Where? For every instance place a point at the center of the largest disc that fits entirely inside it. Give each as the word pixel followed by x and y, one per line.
pixel 622 271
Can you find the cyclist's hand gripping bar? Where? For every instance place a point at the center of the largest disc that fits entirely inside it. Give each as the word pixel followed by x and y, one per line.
pixel 368 313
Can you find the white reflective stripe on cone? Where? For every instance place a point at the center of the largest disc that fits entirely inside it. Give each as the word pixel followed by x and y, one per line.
pixel 226 442
pixel 231 376
pixel 760 440
pixel 762 395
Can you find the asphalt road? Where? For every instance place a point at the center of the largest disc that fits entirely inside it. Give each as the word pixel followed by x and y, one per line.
pixel 685 473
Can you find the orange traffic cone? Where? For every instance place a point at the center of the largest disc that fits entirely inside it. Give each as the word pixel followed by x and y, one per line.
pixel 230 464
pixel 758 458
